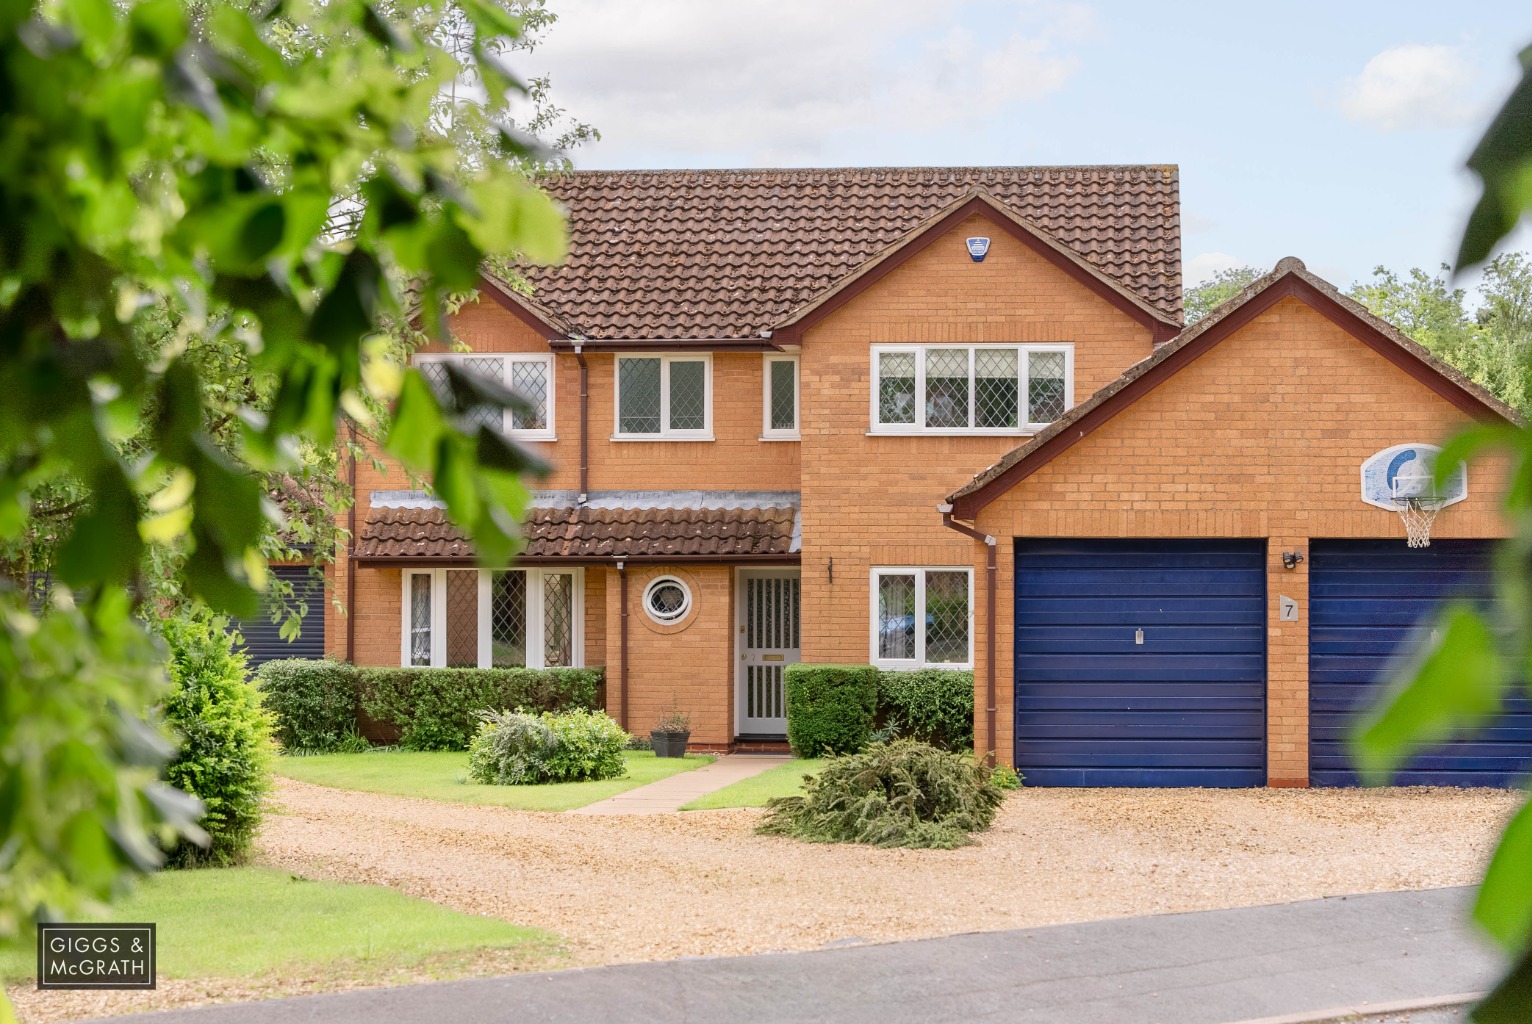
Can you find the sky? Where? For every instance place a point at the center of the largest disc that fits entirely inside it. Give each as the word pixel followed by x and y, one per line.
pixel 1332 131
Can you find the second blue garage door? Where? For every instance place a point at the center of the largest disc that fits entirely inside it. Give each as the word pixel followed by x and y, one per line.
pixel 1366 597
pixel 1141 663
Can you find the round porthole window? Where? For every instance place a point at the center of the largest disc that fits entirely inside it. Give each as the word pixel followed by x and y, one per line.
pixel 667 600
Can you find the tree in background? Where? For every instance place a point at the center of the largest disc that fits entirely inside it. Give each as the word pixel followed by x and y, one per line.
pixel 1460 674
pixel 1202 298
pixel 192 166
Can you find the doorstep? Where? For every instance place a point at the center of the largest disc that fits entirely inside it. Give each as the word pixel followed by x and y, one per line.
pixel 668 795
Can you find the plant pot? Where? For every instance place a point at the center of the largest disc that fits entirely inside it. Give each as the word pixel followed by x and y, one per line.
pixel 669 744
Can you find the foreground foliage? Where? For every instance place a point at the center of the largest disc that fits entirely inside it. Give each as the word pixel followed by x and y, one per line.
pixel 513 748
pixel 224 757
pixel 903 793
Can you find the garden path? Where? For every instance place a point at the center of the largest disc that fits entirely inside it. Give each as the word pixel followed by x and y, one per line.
pixel 668 795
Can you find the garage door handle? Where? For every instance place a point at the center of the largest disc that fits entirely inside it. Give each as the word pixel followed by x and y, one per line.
pixel 1138 637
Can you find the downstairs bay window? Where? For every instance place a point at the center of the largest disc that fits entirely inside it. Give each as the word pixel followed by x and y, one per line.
pixel 502 618
pixel 922 618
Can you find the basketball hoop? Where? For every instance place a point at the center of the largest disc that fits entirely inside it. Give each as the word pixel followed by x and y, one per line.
pixel 1418 515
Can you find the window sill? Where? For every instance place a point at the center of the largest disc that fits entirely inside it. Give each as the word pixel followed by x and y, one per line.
pixel 916 666
pixel 1027 431
pixel 781 437
pixel 657 437
pixel 517 435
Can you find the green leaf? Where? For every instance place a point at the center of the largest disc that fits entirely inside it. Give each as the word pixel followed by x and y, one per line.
pixel 491 18
pixel 157 27
pixel 418 424
pixel 1436 690
pixel 1504 905
pixel 349 309
pixel 1510 1002
pixel 517 219
pixel 104 545
pixel 1503 162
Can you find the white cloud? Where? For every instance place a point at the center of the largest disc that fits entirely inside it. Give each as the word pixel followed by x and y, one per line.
pixel 1413 86
pixel 1203 266
pixel 779 81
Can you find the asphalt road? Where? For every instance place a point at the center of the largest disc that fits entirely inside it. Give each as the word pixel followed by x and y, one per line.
pixel 1204 968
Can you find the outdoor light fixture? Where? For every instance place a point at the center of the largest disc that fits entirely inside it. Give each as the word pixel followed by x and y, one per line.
pixel 1290 559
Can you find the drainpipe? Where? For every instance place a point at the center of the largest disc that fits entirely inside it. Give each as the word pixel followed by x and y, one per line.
pixel 584 423
pixel 351 552
pixel 991 572
pixel 622 656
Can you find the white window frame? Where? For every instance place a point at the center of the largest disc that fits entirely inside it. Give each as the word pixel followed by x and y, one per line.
pixel 919 352
pixel 768 432
pixel 919 572
pixel 534 644
pixel 547 433
pixel 666 433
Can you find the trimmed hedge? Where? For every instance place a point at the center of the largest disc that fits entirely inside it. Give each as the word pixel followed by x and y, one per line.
pixel 830 708
pixel 313 702
pixel 435 708
pixel 930 704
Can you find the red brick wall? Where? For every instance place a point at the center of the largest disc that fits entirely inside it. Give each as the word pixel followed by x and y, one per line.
pixel 1262 436
pixel 872 500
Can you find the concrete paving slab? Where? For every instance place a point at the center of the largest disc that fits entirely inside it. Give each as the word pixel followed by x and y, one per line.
pixel 1205 968
pixel 668 795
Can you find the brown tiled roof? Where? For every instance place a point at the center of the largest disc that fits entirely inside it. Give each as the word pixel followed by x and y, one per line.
pixel 590 533
pixel 726 254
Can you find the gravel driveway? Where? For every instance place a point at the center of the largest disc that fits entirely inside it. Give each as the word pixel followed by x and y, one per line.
pixel 701 883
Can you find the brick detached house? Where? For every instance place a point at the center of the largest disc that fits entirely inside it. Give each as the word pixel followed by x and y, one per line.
pixel 944 417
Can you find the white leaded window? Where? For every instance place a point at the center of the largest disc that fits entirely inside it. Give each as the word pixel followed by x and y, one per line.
pixel 511 618
pixel 970 389
pixel 666 398
pixel 528 375
pixel 779 398
pixel 922 618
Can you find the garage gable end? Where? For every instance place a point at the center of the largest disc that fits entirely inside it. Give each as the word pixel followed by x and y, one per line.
pixel 1288 281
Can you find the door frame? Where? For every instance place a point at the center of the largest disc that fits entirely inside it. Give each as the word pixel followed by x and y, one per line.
pixel 737 645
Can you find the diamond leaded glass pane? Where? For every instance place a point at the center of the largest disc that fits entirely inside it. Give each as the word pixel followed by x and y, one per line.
pixel 638 396
pixel 946 617
pixel 688 394
pixel 462 618
pixel 420 618
pixel 946 387
pixel 1045 386
pixel 508 619
pixel 529 379
pixel 435 373
pixel 558 619
pixel 492 367
pixel 784 394
pixel 996 391
pixel 896 616
pixel 896 387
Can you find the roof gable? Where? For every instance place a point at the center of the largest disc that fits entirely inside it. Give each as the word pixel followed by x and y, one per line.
pixel 1289 279
pixel 976 202
pixel 728 254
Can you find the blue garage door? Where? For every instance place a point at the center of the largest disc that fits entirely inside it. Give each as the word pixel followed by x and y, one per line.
pixel 1186 707
pixel 1365 597
pixel 263 639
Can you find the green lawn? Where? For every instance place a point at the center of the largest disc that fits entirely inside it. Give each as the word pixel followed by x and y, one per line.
pixel 250 922
pixel 442 775
pixel 783 780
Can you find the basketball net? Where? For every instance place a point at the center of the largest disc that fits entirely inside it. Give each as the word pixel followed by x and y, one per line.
pixel 1418 515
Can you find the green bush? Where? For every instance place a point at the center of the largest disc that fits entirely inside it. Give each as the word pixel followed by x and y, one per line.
pixel 1006 777
pixel 905 793
pixel 313 703
pixel 930 704
pixel 225 751
pixel 436 708
pixel 830 708
pixel 514 748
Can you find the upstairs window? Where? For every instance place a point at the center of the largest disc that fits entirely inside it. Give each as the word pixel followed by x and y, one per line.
pixel 970 389
pixel 665 398
pixel 779 399
pixel 530 376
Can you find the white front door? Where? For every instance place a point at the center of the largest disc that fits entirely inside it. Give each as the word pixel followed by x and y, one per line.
pixel 768 641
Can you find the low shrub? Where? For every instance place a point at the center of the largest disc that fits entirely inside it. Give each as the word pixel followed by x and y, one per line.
pixel 930 704
pixel 1006 777
pixel 830 708
pixel 224 754
pixel 515 748
pixel 905 793
pixel 313 704
pixel 437 708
